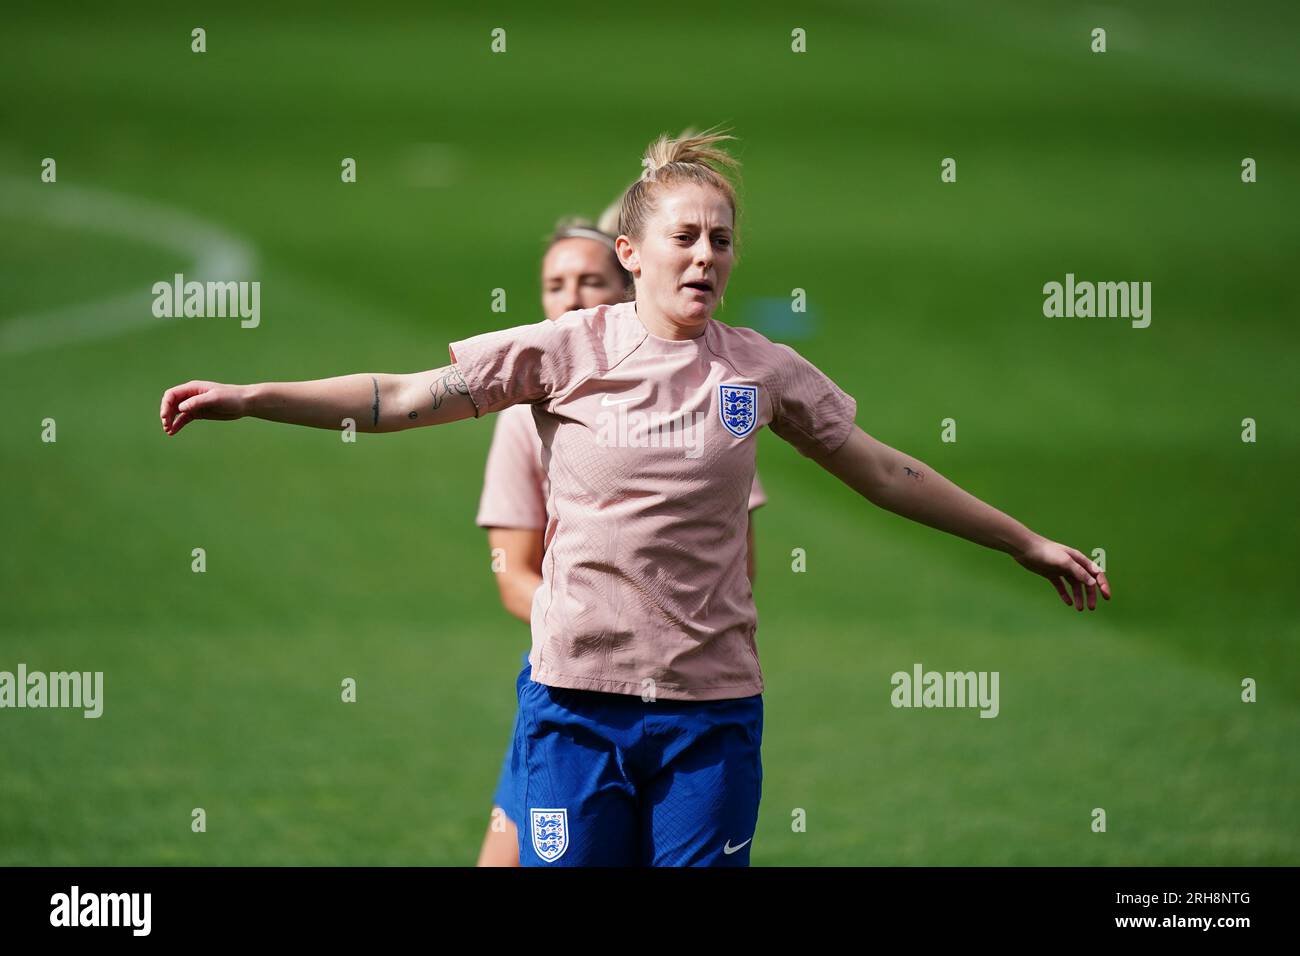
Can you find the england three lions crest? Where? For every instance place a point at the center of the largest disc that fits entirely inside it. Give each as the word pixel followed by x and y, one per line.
pixel 550 833
pixel 738 408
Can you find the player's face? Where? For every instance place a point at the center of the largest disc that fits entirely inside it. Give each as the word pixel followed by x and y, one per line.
pixel 685 255
pixel 579 274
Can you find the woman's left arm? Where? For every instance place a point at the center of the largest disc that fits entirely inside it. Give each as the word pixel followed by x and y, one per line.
pixel 899 483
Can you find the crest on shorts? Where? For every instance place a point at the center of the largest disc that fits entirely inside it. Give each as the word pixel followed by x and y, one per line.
pixel 550 833
pixel 738 408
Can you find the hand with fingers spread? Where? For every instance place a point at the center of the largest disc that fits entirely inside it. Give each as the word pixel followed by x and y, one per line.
pixel 1055 561
pixel 182 404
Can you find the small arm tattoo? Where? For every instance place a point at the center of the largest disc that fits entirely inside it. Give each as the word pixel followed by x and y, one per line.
pixel 450 384
pixel 919 476
pixel 375 407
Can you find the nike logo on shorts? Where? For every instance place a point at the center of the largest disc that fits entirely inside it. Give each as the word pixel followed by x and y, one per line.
pixel 604 400
pixel 729 849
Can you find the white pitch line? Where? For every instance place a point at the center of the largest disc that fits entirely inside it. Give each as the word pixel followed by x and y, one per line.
pixel 216 254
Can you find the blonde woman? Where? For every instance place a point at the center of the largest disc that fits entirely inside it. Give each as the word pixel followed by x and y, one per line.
pixel 640 719
pixel 580 270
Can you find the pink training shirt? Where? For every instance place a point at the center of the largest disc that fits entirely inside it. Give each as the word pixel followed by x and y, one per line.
pixel 515 487
pixel 648 445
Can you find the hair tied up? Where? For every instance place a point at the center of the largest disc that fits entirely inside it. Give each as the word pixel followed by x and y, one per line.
pixel 692 158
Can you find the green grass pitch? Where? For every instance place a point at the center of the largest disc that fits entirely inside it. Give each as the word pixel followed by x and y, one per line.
pixel 327 560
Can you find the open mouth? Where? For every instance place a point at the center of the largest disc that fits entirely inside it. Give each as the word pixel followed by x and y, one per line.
pixel 699 285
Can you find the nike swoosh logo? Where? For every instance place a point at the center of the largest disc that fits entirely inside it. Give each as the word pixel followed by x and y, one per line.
pixel 604 400
pixel 729 849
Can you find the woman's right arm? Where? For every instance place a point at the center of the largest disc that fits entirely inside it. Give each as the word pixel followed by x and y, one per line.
pixel 377 402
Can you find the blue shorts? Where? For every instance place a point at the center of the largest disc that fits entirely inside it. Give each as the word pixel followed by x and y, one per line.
pixel 504 797
pixel 611 780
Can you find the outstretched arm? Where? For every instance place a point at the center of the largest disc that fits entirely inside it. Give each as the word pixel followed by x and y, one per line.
pixel 377 402
pixel 907 487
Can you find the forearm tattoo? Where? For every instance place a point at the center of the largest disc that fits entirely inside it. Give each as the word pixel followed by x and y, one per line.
pixel 449 384
pixel 912 473
pixel 375 407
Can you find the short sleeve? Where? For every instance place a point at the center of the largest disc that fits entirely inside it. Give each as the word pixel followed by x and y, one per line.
pixel 757 497
pixel 810 411
pixel 513 483
pixel 527 363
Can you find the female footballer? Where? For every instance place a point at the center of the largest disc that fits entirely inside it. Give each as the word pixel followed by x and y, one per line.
pixel 580 270
pixel 637 739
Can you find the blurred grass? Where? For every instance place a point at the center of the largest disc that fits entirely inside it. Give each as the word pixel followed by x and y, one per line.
pixel 328 560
